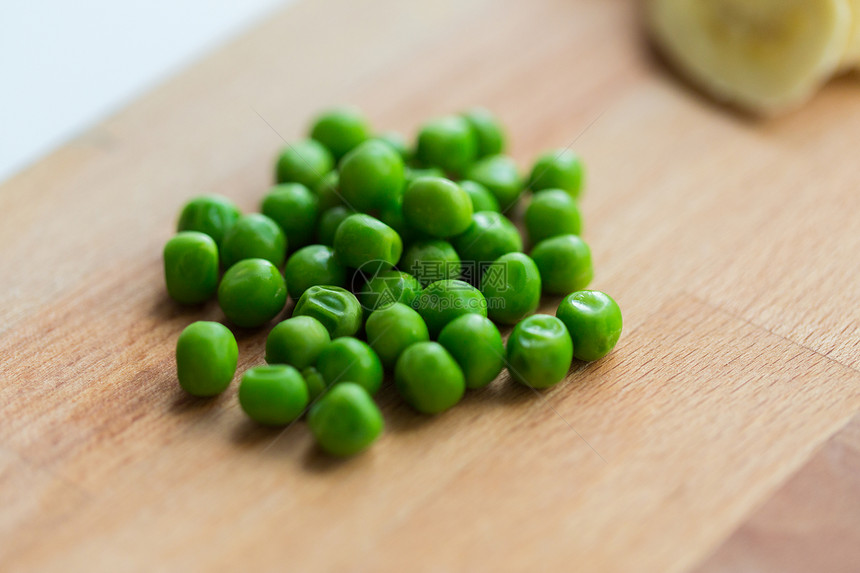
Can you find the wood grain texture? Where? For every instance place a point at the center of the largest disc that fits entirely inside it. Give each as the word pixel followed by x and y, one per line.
pixel 731 245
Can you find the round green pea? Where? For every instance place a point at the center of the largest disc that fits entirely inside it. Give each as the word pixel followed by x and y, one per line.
pixel 388 287
pixel 364 242
pixel 329 221
pixel 210 214
pixel 558 169
pixel 296 341
pixel 499 174
pixel 448 143
pixel 488 130
pixel 295 209
pixel 371 176
pixel 254 236
pixel 512 287
pixel 191 267
pixel 392 329
pixel 273 395
pixel 314 382
pixel 482 199
pixel 489 236
pixel 397 142
pixel 539 351
pixel 564 263
pixel 341 130
pixel 443 301
pixel 305 161
pixel 552 212
pixel 593 320
pixel 349 359
pixel 327 191
pixel 437 206
pixel 346 420
pixel 476 345
pixel 335 307
pixel 206 357
pixel 252 292
pixel 311 266
pixel 428 378
pixel 431 261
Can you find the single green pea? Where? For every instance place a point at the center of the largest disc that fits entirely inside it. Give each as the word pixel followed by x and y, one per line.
pixel 206 357
pixel 346 420
pixel 489 236
pixel 349 359
pixel 443 301
pixel 476 345
pixel 437 206
pixel 335 307
pixel 552 212
pixel 254 236
pixel 273 395
pixel 311 266
pixel 341 130
pixel 397 143
pixel 558 169
pixel 296 341
pixel 191 267
pixel 512 287
pixel 328 191
pixel 252 292
pixel 413 173
pixel 305 161
pixel 564 263
pixel 295 209
pixel 499 174
pixel 366 243
pixel 488 131
pixel 314 382
pixel 431 261
pixel 482 199
pixel 392 329
pixel 428 378
pixel 371 176
pixel 593 320
pixel 539 351
pixel 210 214
pixel 329 221
pixel 388 287
pixel 448 143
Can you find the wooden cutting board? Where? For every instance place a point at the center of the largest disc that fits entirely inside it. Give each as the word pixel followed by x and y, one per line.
pixel 732 245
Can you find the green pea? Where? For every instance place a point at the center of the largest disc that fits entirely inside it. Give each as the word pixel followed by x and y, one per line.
pixel 447 143
pixel 431 261
pixel 539 351
pixel 340 130
pixel 252 292
pixel 329 221
pixel 482 199
pixel 314 382
pixel 499 174
pixel 428 378
pixel 564 263
pixel 335 307
pixel 273 395
pixel 488 131
pixel 364 242
pixel 206 357
pixel 311 266
pixel 397 143
pixel 254 236
pixel 371 176
pixel 550 213
pixel 345 421
pixel 593 320
pixel 413 173
pixel 296 341
pixel 210 214
pixel 387 288
pixel 328 191
pixel 558 169
pixel 349 359
pixel 295 209
pixel 512 288
pixel 437 206
pixel 443 301
pixel 392 329
pixel 489 236
pixel 476 345
pixel 191 267
pixel 306 162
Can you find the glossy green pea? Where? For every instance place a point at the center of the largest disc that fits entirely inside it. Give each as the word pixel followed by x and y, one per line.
pixel 558 169
pixel 593 320
pixel 254 236
pixel 335 307
pixel 476 345
pixel 489 236
pixel 443 301
pixel 437 206
pixel 539 351
pixel 428 378
pixel 552 212
pixel 366 243
pixel 388 287
pixel 340 130
pixel 397 143
pixel 447 143
pixel 191 267
pixel 306 162
pixel 210 214
pixel 564 263
pixel 431 261
pixel 349 359
pixel 273 395
pixel 371 176
pixel 413 173
pixel 296 341
pixel 512 287
pixel 327 191
pixel 314 382
pixel 311 266
pixel 488 130
pixel 499 174
pixel 295 209
pixel 393 329
pixel 252 292
pixel 346 420
pixel 482 199
pixel 206 357
pixel 329 221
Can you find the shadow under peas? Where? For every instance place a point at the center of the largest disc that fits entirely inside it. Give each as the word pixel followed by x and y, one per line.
pixel 249 433
pixel 315 460
pixel 164 309
pixel 184 403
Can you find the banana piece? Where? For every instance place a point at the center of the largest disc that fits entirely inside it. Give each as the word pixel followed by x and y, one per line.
pixel 851 58
pixel 762 55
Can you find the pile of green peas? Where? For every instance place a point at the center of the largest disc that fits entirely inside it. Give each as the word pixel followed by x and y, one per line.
pixel 401 260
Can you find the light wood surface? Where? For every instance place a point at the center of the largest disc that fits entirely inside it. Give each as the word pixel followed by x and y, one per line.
pixel 731 245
